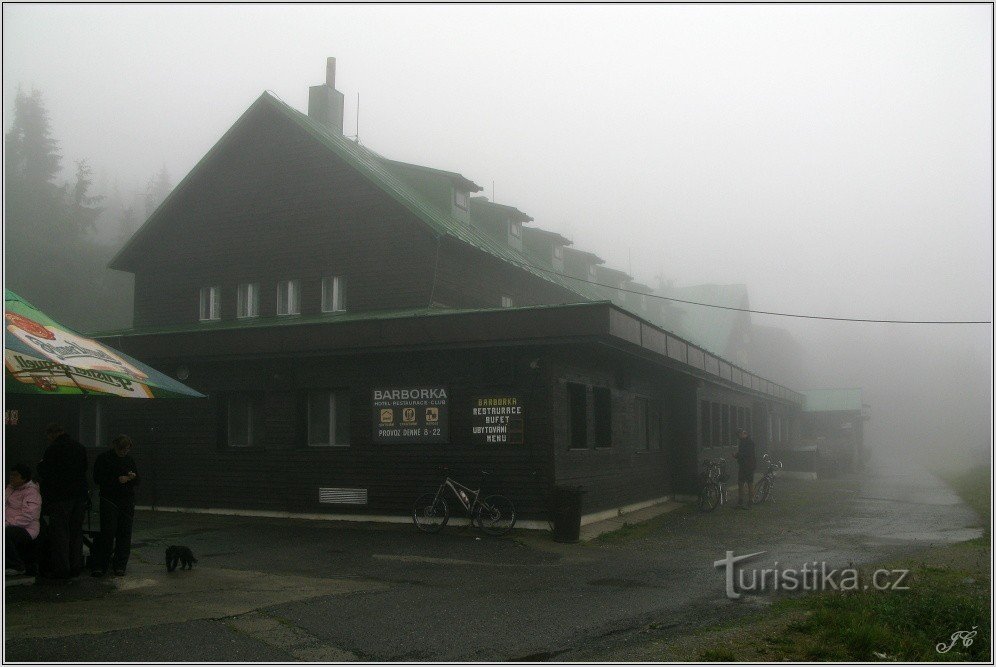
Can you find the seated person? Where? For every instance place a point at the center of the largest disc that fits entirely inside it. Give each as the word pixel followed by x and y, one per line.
pixel 22 511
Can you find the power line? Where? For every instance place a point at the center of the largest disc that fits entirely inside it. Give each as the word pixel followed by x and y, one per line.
pixel 759 312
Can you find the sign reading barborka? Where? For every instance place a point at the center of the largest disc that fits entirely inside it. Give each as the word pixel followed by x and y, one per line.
pixel 497 420
pixel 414 414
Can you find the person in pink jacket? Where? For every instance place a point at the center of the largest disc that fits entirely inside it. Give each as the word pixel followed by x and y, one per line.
pixel 22 511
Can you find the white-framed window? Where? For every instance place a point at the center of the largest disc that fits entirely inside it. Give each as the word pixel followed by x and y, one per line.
pixel 558 257
pixel 333 294
pixel 460 198
pixel 328 418
pixel 248 300
pixel 506 301
pixel 289 297
pixel 241 420
pixel 210 303
pixel 91 433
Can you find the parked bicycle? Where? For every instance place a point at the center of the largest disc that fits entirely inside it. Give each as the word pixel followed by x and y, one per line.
pixel 763 488
pixel 712 492
pixel 495 514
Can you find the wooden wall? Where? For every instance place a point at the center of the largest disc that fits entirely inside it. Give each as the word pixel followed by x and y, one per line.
pixel 272 204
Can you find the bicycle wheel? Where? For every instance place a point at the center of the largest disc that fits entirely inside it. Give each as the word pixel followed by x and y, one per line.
pixel 709 497
pixel 495 515
pixel 762 491
pixel 430 513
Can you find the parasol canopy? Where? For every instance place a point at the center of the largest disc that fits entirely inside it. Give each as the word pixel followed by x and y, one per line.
pixel 42 356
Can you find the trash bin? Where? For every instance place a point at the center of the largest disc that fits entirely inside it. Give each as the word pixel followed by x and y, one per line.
pixel 567 513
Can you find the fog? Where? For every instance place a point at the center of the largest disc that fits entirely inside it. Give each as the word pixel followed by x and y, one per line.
pixel 835 159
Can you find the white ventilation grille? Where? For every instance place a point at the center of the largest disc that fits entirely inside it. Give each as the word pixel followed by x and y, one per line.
pixel 335 496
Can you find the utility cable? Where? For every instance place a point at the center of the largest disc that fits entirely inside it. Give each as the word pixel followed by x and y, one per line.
pixel 758 312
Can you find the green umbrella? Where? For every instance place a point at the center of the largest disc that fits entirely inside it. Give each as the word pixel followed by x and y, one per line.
pixel 43 357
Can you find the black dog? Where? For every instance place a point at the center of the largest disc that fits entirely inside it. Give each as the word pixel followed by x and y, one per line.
pixel 182 555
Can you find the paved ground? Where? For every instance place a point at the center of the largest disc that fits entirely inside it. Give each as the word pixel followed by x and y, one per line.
pixel 277 590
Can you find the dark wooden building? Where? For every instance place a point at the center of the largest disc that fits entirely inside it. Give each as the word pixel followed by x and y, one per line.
pixel 358 323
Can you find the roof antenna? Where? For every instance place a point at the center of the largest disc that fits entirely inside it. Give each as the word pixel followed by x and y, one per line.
pixel 357 116
pixel 493 191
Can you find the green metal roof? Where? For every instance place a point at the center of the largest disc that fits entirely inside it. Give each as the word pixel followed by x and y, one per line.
pixel 832 400
pixel 372 166
pixel 481 204
pixel 459 179
pixel 532 236
pixel 319 318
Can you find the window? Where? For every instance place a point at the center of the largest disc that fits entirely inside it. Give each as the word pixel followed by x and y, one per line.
pixel 333 294
pixel 210 302
pixel 248 300
pixel 241 424
pixel 506 302
pixel 603 416
pixel 515 234
pixel 656 418
pixel 328 418
pixel 460 199
pixel 558 256
pixel 705 422
pixel 726 424
pixel 289 297
pixel 641 417
pixel 717 429
pixel 578 397
pixel 591 272
pixel 91 433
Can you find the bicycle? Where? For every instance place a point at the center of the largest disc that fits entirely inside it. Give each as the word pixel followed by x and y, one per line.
pixel 495 515
pixel 763 488
pixel 712 493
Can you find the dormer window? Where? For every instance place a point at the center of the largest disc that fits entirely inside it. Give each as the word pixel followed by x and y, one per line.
pixel 333 294
pixel 515 234
pixel 210 303
pixel 289 297
pixel 248 300
pixel 557 257
pixel 460 199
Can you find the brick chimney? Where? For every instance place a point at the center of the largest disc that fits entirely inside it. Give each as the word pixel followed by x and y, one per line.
pixel 325 102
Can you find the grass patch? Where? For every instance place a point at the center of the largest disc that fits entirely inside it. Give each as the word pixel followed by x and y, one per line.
pixel 972 486
pixel 948 591
pixel 902 625
pixel 717 655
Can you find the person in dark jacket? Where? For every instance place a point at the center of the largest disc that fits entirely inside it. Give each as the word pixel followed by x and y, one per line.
pixel 64 491
pixel 746 456
pixel 117 475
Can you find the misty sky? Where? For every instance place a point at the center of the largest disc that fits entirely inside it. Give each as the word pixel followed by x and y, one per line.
pixel 837 159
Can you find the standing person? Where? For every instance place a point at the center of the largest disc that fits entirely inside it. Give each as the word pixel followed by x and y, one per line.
pixel 746 463
pixel 21 520
pixel 63 490
pixel 116 473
